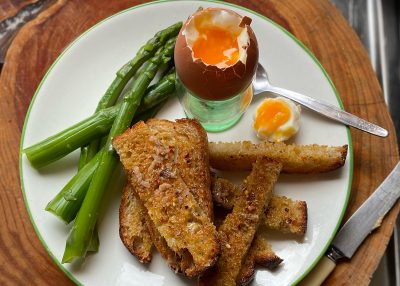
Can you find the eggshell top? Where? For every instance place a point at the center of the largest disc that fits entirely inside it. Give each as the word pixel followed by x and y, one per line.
pixel 209 81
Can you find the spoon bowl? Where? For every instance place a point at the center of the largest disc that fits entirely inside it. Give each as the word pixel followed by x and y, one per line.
pixel 262 84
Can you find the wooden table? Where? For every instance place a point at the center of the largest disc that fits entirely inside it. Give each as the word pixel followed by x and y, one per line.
pixel 319 25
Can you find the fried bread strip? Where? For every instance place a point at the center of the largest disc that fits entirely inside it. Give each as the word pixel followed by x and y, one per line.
pixel 149 155
pixel 294 158
pixel 282 214
pixel 261 253
pixel 238 230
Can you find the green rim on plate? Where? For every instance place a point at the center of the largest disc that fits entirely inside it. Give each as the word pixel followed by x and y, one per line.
pixel 350 151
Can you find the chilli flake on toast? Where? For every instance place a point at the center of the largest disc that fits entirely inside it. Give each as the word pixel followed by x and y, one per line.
pixel 167 165
pixel 239 227
pixel 283 214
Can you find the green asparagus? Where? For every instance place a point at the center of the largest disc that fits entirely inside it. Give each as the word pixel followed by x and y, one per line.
pixel 66 204
pixel 158 92
pixel 122 78
pixel 81 233
pixel 97 125
pixel 68 140
pixel 68 201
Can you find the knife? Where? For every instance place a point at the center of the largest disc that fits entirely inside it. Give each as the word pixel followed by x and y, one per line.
pixel 367 218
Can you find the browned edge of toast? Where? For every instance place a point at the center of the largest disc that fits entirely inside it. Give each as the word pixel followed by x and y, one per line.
pixel 302 159
pixel 239 227
pixel 132 227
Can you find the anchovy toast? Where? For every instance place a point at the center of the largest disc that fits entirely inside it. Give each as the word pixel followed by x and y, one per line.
pixel 283 214
pixel 155 156
pixel 238 230
pixel 294 158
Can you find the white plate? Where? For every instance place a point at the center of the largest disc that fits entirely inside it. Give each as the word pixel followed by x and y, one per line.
pixel 70 91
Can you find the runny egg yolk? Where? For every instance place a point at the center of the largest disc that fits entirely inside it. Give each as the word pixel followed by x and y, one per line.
pixel 276 119
pixel 215 45
pixel 271 115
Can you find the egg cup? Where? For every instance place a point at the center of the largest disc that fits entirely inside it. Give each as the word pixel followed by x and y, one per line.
pixel 214 115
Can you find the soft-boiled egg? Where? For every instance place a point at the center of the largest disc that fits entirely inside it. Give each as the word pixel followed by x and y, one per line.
pixel 276 119
pixel 216 53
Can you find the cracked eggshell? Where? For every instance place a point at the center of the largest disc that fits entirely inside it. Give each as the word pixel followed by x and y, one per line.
pixel 209 81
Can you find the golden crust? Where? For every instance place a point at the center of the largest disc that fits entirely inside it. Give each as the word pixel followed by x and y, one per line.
pixel 178 203
pixel 286 215
pixel 283 214
pixel 261 253
pixel 132 226
pixel 294 158
pixel 134 220
pixel 224 192
pixel 170 256
pixel 192 159
pixel 238 230
pixel 181 262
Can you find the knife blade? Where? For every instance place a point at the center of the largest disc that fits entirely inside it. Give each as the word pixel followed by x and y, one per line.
pixel 367 217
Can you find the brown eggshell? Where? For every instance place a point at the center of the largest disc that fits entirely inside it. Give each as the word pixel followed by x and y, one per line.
pixel 208 81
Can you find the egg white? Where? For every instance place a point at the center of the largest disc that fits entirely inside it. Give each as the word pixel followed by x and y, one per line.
pixel 284 131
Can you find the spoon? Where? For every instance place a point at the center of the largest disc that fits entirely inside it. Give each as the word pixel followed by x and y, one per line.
pixel 262 84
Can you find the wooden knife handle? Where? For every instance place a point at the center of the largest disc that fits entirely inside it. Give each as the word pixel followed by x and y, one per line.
pixel 319 273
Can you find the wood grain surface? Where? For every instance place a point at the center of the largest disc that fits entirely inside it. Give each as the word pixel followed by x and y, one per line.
pixel 9 8
pixel 319 25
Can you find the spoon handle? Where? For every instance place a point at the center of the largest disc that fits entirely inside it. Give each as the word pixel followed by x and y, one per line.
pixel 330 111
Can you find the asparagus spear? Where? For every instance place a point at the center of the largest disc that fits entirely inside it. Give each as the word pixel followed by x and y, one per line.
pixel 94 241
pixel 122 78
pixel 158 92
pixel 66 141
pixel 155 97
pixel 79 238
pixel 66 204
pixel 97 125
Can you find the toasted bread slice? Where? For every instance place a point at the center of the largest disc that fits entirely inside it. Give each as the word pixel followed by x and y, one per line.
pixel 191 157
pixel 294 158
pixel 138 234
pixel 173 260
pixel 238 230
pixel 261 253
pixel 180 262
pixel 224 192
pixel 153 157
pixel 286 215
pixel 283 214
pixel 132 226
